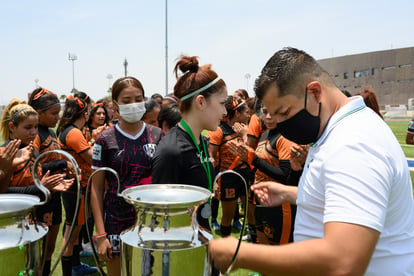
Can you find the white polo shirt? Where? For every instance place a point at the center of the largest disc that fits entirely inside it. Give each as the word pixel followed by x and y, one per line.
pixel 357 173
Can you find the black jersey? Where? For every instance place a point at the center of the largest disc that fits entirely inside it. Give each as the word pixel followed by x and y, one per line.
pixel 177 160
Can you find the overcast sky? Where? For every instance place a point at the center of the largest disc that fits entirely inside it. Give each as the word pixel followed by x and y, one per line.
pixel 236 36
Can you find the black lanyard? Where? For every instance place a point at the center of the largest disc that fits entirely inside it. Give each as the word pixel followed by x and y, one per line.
pixel 204 161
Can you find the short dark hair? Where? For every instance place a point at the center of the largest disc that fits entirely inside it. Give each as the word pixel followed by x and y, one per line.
pixel 290 69
pixel 169 114
pixel 156 95
pixel 151 104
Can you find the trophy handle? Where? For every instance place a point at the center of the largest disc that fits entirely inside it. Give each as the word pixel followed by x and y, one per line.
pixel 89 231
pixel 233 260
pixel 35 174
pixel 47 193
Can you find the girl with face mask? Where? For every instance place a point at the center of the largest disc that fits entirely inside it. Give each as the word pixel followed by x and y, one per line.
pixel 128 148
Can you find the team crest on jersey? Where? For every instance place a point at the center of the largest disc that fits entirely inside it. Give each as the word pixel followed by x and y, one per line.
pixel 97 152
pixel 149 149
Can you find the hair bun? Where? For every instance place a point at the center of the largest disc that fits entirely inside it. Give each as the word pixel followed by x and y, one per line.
pixel 187 64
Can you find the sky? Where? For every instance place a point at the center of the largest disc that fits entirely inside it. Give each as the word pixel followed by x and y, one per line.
pixel 236 36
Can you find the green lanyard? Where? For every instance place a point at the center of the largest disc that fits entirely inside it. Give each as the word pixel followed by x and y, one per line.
pixel 204 162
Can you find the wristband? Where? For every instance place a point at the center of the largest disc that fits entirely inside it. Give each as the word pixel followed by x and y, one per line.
pixel 250 156
pixel 97 236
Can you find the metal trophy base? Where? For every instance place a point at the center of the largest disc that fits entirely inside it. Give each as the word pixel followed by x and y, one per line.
pixel 20 241
pixel 168 238
pixel 162 257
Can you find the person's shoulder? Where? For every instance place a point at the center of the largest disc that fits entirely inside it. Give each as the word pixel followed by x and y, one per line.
pixel 175 140
pixel 110 131
pixel 65 132
pixel 172 137
pixel 154 133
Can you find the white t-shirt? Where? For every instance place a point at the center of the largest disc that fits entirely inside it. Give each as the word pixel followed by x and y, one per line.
pixel 357 173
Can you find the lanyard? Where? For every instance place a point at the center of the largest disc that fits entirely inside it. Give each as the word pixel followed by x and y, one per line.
pixel 204 161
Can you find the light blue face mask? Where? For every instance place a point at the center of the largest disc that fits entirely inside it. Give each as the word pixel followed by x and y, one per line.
pixel 133 112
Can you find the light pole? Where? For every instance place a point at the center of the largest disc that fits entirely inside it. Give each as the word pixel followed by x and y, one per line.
pixel 109 77
pixel 73 57
pixel 247 76
pixel 166 48
pixel 125 67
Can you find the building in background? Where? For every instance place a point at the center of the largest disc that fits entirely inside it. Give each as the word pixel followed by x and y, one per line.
pixel 389 73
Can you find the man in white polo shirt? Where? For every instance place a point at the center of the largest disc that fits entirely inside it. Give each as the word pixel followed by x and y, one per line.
pixel 355 207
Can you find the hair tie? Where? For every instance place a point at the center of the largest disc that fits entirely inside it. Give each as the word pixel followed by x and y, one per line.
pixel 80 103
pixel 43 92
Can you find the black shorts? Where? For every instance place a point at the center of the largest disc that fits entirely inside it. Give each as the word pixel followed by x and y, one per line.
pixel 113 228
pixel 276 223
pixel 69 203
pixel 232 187
pixel 51 212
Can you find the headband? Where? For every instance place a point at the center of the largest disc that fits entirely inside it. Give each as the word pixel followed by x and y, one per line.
pixel 171 98
pixel 97 104
pixel 207 86
pixel 235 105
pixel 49 107
pixel 14 117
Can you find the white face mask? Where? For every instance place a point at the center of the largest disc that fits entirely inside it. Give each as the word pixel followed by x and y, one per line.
pixel 133 112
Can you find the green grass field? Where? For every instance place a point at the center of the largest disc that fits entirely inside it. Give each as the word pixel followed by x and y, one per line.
pixel 398 127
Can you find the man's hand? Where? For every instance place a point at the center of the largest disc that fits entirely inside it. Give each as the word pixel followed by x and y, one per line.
pixel 298 154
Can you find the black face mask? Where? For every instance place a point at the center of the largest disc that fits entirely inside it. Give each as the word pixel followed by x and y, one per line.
pixel 302 128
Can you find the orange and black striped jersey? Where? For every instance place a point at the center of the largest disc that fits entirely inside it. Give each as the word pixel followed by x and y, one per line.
pixel 272 163
pixel 256 127
pixel 22 174
pixel 220 138
pixel 272 148
pixel 46 140
pixel 72 140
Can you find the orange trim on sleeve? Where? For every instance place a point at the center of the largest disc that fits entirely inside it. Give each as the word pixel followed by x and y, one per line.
pixel 233 165
pixel 287 223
